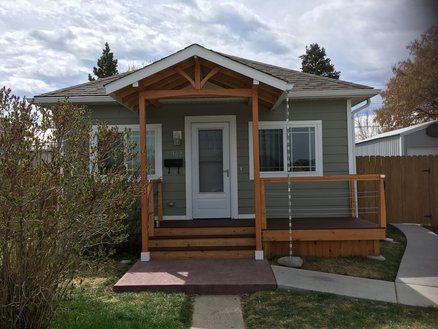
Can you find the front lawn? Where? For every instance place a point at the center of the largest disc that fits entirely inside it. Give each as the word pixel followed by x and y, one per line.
pixel 363 267
pixel 93 304
pixel 285 309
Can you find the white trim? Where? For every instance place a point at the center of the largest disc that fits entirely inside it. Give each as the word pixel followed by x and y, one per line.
pixel 259 255
pixel 135 127
pixel 188 120
pixel 145 256
pixel 246 216
pixel 191 51
pixel 174 217
pixel 319 158
pixel 351 135
pixel 73 99
pixel 333 93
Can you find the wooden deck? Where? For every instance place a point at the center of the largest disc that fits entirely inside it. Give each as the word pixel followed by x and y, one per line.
pixel 235 238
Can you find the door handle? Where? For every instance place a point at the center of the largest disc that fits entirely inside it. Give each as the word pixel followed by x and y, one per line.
pixel 227 171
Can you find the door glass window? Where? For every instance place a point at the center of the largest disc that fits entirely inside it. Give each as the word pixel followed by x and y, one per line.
pixel 211 161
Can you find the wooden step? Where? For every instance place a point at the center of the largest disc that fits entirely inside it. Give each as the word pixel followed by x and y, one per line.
pixel 202 254
pixel 176 231
pixel 201 241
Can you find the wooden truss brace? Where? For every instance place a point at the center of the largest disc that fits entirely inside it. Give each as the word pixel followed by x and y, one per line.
pixel 198 83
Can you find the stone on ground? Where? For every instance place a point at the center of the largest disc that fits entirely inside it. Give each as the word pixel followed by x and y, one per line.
pixel 221 312
pixel 291 261
pixel 379 258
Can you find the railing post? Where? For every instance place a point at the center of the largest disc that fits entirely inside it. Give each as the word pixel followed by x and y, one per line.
pixel 160 199
pixel 382 204
pixel 263 205
pixel 145 255
pixel 256 164
pixel 151 207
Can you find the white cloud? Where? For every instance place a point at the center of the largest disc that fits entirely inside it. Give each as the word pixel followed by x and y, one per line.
pixel 52 44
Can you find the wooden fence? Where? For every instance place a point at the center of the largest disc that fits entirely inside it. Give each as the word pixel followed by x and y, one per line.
pixel 411 186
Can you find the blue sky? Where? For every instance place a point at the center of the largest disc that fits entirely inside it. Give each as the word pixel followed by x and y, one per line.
pixel 48 45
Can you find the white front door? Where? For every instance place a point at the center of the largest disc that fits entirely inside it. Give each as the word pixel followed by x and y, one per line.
pixel 211 176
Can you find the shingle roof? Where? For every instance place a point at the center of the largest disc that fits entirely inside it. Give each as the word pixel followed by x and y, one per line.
pixel 92 88
pixel 301 81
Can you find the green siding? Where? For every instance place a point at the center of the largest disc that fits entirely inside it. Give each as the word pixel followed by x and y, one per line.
pixel 171 116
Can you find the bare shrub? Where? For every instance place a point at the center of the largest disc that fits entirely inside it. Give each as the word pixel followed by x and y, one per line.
pixel 55 208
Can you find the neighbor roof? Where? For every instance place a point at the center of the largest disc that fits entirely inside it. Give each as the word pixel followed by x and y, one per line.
pixel 401 131
pixel 302 82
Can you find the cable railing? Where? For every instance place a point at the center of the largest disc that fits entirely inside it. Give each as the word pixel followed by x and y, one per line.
pixel 354 196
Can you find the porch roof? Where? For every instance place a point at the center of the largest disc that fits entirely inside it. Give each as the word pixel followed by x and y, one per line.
pixel 273 77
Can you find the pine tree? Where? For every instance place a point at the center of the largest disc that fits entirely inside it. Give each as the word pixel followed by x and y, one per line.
pixel 106 64
pixel 315 61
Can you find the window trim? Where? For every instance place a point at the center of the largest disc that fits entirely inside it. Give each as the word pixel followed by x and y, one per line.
pixel 135 127
pixel 317 124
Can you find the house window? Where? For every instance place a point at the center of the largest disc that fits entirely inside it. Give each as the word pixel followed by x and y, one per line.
pixel 154 149
pixel 305 153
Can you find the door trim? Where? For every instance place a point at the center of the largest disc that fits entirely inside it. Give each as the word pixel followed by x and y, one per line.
pixel 231 119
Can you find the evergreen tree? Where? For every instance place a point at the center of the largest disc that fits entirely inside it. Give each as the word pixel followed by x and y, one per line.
pixel 315 61
pixel 106 64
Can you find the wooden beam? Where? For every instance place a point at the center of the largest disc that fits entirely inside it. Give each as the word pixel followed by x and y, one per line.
pixel 155 94
pixel 143 176
pixel 339 178
pixel 185 75
pixel 326 234
pixel 163 74
pixel 209 75
pixel 197 74
pixel 256 165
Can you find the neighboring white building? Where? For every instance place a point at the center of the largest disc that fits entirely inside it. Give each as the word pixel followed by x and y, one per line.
pixel 421 139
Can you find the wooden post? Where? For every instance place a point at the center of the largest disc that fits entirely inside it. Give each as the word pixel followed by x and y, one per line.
pixel 145 256
pixel 151 206
pixel 353 201
pixel 256 164
pixel 160 200
pixel 263 205
pixel 382 201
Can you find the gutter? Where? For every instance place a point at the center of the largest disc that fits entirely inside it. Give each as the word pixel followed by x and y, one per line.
pixel 282 97
pixel 361 108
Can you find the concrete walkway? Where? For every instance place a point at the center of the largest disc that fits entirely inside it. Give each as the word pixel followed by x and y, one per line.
pixel 417 277
pixel 416 283
pixel 221 312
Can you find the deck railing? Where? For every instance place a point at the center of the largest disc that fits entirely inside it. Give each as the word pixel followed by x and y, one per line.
pixel 151 203
pixel 353 181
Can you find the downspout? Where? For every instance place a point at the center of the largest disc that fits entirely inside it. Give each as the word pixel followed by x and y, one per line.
pixel 361 108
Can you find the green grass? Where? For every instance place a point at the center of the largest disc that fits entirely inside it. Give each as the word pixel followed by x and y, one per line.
pixel 285 309
pixel 93 304
pixel 363 267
